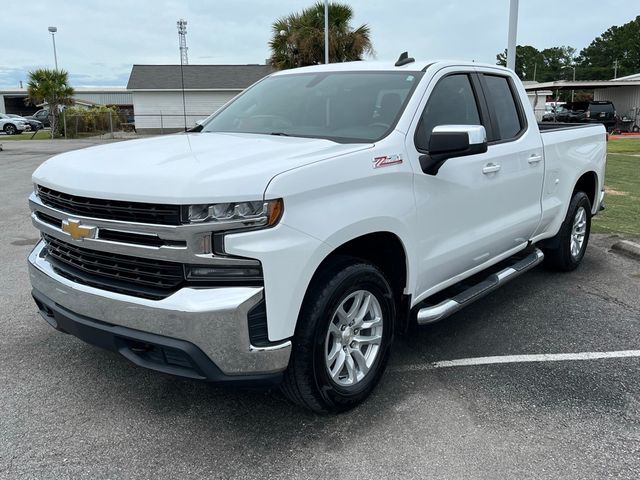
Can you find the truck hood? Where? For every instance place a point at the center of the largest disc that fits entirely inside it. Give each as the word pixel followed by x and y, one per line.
pixel 184 169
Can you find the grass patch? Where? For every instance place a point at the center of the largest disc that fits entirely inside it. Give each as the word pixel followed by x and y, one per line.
pixel 40 135
pixel 622 180
pixel 624 145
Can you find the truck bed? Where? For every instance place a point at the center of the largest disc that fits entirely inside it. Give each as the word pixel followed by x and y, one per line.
pixel 552 126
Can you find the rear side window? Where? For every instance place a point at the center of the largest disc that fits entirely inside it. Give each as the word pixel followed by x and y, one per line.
pixel 601 108
pixel 452 102
pixel 500 97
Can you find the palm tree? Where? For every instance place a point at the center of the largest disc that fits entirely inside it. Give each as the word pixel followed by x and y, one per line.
pixel 52 87
pixel 298 39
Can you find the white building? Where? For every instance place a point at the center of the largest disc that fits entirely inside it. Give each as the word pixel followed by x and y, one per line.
pixel 625 98
pixel 158 95
pixel 537 98
pixel 13 100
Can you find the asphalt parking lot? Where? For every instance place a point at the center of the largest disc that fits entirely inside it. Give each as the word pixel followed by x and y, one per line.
pixel 69 410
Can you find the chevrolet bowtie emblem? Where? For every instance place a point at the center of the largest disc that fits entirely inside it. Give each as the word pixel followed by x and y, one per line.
pixel 77 231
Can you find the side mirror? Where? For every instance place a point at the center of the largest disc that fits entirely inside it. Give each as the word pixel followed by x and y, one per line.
pixel 449 141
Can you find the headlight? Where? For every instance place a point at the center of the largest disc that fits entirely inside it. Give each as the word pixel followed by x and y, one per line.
pixel 236 214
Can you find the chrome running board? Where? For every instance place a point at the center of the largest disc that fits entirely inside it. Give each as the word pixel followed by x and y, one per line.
pixel 449 306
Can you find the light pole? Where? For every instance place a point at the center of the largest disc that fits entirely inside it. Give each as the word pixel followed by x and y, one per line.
pixel 513 34
pixel 326 31
pixel 52 31
pixel 574 79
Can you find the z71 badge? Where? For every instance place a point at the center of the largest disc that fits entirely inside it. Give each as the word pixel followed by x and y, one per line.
pixel 387 160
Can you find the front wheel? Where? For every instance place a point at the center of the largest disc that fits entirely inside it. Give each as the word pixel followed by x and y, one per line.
pixel 10 129
pixel 342 341
pixel 569 245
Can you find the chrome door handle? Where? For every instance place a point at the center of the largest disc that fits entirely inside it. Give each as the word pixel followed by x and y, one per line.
pixel 490 168
pixel 533 159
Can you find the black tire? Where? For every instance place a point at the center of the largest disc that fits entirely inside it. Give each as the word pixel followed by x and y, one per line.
pixel 307 381
pixel 558 255
pixel 635 129
pixel 10 129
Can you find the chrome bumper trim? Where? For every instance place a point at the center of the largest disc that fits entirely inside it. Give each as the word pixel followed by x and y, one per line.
pixel 213 319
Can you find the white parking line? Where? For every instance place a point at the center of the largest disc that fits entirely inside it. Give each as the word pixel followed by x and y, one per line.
pixel 544 357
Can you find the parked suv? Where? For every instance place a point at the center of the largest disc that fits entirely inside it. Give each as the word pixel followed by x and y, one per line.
pixel 41 116
pixel 585 112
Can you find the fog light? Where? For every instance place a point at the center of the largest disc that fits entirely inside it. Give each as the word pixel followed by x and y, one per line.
pixel 224 274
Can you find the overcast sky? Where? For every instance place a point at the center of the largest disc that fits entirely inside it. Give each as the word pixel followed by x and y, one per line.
pixel 98 40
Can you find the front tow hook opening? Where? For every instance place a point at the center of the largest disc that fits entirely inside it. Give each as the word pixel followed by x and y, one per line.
pixel 47 314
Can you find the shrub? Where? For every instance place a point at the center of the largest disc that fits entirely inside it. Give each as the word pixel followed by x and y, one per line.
pixel 81 121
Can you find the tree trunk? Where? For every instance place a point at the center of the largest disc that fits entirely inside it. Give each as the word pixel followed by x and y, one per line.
pixel 52 119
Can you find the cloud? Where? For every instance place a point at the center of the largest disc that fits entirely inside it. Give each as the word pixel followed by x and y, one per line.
pixel 97 42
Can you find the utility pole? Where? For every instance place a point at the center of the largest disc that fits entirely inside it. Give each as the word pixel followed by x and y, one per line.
pixel 326 31
pixel 52 31
pixel 535 69
pixel 513 34
pixel 615 69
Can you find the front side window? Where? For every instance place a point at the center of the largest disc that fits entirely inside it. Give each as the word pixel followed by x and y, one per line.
pixel 452 102
pixel 501 98
pixel 339 106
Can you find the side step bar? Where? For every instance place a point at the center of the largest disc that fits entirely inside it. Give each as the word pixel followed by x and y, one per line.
pixel 447 307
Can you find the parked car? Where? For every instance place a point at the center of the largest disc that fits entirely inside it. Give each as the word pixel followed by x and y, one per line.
pixel 555 112
pixel 34 124
pixel 585 112
pixel 41 116
pixel 550 106
pixel 13 126
pixel 313 218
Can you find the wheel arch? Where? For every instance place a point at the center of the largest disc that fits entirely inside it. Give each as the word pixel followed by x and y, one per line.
pixel 588 183
pixel 385 250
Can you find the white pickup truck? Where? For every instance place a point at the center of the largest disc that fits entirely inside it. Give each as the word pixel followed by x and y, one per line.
pixel 310 220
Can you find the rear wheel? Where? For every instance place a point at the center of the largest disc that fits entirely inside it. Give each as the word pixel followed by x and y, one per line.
pixel 342 341
pixel 568 247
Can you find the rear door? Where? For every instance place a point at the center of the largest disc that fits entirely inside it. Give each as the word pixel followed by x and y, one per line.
pixel 516 146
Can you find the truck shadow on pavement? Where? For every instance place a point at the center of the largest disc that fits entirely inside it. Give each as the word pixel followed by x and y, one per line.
pixel 105 394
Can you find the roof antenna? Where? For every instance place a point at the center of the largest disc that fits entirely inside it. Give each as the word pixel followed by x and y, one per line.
pixel 404 59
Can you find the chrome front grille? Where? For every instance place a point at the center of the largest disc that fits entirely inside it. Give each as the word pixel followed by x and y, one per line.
pixel 136 212
pixel 141 277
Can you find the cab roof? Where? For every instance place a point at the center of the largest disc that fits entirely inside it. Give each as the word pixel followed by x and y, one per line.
pixel 416 66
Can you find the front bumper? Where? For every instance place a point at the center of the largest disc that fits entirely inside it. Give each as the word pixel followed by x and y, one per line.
pixel 213 320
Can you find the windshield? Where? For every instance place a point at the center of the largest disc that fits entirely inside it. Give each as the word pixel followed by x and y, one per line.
pixel 339 106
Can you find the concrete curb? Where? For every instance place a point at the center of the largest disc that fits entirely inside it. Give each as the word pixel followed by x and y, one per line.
pixel 628 248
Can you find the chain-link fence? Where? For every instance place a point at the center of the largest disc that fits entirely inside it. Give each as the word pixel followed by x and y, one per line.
pixel 109 125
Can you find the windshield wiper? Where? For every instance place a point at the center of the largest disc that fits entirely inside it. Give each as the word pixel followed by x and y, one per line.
pixel 280 134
